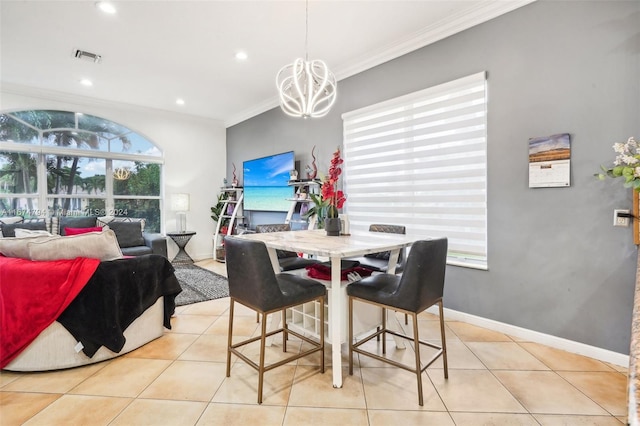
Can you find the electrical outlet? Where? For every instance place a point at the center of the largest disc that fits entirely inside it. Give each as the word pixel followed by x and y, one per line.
pixel 620 220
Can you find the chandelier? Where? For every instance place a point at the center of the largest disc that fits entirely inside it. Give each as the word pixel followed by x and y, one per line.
pixel 306 88
pixel 121 173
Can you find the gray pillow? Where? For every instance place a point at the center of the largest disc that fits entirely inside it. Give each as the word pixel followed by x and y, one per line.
pixel 8 229
pixel 129 234
pixel 76 222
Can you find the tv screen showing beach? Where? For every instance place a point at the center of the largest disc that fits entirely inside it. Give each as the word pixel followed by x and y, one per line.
pixel 266 182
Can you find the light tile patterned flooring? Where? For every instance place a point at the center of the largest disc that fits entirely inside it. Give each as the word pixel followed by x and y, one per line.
pixel 179 379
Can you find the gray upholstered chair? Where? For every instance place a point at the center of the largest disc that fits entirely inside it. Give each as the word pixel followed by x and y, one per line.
pixel 379 262
pixel 254 284
pixel 420 286
pixel 288 260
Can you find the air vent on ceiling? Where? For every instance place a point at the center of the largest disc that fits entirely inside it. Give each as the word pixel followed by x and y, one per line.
pixel 87 56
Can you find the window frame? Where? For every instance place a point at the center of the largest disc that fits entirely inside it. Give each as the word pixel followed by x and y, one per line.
pixel 42 150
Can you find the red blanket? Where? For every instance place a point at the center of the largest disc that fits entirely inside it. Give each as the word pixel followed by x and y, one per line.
pixel 33 295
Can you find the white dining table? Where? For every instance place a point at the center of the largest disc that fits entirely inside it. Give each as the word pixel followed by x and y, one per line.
pixel 317 243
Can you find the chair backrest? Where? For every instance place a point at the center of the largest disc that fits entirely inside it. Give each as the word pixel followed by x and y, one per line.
pixel 391 229
pixel 273 227
pixel 277 227
pixel 252 280
pixel 422 282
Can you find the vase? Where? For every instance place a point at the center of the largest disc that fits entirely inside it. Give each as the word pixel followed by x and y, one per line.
pixel 332 226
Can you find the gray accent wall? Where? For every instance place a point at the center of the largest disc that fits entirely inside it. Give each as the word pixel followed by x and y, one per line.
pixel 556 263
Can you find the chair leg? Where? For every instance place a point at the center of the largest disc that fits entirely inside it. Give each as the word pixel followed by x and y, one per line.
pixel 284 330
pixel 416 342
pixel 229 340
pixel 263 340
pixel 322 300
pixel 350 335
pixel 384 331
pixel 444 343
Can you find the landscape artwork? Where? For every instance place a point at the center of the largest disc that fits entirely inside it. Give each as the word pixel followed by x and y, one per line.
pixel 550 148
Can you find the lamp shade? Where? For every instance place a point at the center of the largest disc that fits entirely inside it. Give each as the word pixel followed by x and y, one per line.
pixel 180 202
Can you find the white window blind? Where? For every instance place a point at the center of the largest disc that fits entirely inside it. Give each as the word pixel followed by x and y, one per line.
pixel 420 160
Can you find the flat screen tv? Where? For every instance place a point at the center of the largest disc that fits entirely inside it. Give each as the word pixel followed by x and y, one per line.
pixel 266 182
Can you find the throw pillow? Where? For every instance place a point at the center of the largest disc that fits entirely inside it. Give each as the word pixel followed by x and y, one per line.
pixel 18 247
pixel 76 222
pixel 105 220
pixel 22 233
pixel 8 229
pixel 103 246
pixel 129 234
pixel 78 231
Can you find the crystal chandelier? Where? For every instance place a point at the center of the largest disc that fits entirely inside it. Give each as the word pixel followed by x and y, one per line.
pixel 306 88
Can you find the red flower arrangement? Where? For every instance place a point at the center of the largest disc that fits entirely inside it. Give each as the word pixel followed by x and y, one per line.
pixel 334 198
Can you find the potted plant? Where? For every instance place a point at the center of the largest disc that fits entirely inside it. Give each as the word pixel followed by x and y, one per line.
pixel 331 199
pixel 217 214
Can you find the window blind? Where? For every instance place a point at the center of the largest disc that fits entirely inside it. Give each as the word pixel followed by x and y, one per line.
pixel 420 160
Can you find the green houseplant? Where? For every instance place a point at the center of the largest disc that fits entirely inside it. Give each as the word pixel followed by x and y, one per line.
pixel 216 211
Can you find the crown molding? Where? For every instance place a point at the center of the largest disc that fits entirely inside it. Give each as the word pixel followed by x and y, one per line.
pixel 476 15
pixel 57 96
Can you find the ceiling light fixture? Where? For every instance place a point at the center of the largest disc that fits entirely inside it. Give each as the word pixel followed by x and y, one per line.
pixel 180 101
pixel 241 56
pixel 86 82
pixel 106 7
pixel 121 173
pixel 306 88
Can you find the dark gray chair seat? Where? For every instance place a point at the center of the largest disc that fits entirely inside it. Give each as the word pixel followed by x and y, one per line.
pixel 420 286
pixel 253 283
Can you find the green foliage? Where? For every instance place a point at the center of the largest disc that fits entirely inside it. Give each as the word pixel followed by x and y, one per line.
pixel 320 209
pixel 216 211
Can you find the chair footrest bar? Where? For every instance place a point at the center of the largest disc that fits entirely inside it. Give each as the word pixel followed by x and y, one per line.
pixel 317 347
pixel 379 332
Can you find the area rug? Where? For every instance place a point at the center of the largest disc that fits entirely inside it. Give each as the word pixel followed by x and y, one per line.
pixel 199 284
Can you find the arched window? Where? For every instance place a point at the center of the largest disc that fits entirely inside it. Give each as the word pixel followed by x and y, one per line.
pixel 61 163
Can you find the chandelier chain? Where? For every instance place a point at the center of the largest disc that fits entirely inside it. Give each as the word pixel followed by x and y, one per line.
pixel 306 32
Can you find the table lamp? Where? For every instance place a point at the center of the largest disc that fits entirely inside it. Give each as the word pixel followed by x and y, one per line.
pixel 180 205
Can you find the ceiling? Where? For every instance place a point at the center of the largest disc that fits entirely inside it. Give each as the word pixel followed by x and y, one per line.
pixel 154 52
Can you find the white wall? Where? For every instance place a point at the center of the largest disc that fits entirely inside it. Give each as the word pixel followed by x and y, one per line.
pixel 194 152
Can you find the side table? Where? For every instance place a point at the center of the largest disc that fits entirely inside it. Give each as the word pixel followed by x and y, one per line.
pixel 181 239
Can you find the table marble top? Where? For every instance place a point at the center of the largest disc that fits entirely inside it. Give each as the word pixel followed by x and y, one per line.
pixel 317 242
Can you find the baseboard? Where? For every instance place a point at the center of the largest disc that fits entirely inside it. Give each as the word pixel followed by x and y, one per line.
pixel 537 337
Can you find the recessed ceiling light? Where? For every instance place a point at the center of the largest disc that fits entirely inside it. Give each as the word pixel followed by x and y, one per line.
pixel 180 101
pixel 106 7
pixel 241 56
pixel 86 82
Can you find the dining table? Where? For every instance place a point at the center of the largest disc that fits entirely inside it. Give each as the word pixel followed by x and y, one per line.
pixel 318 244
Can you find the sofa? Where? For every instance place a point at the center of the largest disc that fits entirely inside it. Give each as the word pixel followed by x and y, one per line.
pixel 71 295
pixel 132 238
pixel 88 309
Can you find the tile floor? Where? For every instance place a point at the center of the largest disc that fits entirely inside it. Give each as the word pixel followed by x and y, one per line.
pixel 179 379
